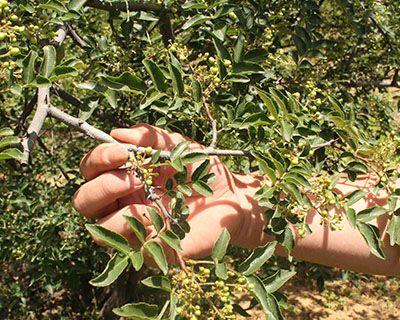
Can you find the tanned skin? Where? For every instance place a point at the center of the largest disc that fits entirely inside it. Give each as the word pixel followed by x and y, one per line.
pixel 111 193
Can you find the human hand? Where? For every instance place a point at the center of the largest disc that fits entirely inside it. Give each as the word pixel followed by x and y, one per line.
pixel 111 193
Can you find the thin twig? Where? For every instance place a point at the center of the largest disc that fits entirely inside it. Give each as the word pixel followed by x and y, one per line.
pixel 213 123
pixel 121 6
pixel 325 144
pixel 77 39
pixel 373 84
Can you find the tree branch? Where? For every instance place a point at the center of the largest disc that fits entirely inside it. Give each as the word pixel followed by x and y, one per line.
pixel 94 133
pixel 36 125
pixel 374 84
pixel 122 6
pixel 43 103
pixel 76 38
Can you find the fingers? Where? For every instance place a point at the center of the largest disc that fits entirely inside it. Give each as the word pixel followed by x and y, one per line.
pixel 117 223
pixel 105 157
pixel 146 135
pixel 96 197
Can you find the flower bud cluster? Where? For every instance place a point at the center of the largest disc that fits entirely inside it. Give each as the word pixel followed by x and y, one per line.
pixel 139 162
pixel 201 295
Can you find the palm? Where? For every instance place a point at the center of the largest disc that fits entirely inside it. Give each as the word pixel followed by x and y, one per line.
pixel 208 215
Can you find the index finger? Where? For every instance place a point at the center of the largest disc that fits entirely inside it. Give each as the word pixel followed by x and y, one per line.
pixel 105 157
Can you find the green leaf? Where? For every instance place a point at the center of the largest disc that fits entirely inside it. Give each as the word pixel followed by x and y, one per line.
pixel 202 188
pixel 86 112
pixel 220 270
pixel 152 99
pixel 6 132
pixel 277 280
pixel 300 44
pixel 140 310
pixel 156 156
pixel 185 189
pixel 177 164
pixel 156 75
pixel 179 149
pixel 371 213
pixel 238 49
pixel 49 61
pixel 12 153
pixel 157 252
pixel 76 5
pixel 201 170
pixel 197 90
pixel 137 227
pixel 287 130
pixel 55 6
pixel 370 234
pixel 351 216
pixel 125 82
pixel 9 141
pixel 177 80
pixel 171 239
pixel 192 157
pixel 115 266
pixel 110 238
pixel 257 258
pixel 222 51
pixel 286 239
pixel 29 67
pixel 393 230
pixel 156 219
pixel 158 282
pixel 111 98
pixel 195 21
pixel 61 72
pixel 268 102
pixel 194 5
pixel 137 259
pixel 267 300
pixel 355 196
pixel 221 245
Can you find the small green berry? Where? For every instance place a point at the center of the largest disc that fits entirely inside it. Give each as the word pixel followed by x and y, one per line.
pixel 232 15
pixel 14 17
pixel 294 161
pixel 14 51
pixel 148 151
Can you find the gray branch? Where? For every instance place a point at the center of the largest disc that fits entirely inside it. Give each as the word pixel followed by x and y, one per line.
pixel 94 133
pixel 29 140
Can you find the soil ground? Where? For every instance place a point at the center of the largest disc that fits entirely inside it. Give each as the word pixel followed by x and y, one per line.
pixel 370 298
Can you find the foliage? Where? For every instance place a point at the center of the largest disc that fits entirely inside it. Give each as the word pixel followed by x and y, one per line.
pixel 299 86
